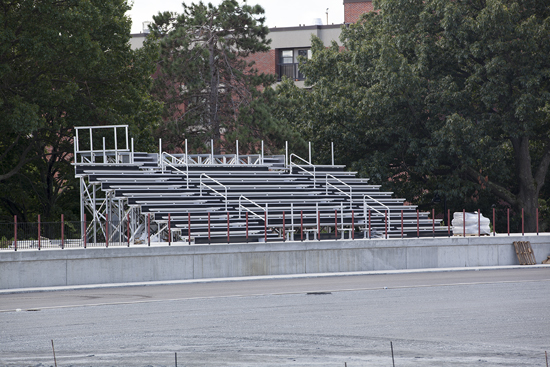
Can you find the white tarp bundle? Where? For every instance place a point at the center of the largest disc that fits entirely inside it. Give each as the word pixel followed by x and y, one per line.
pixel 471 224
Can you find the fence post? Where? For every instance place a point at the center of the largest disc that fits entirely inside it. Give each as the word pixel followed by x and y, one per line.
pixel 370 232
pixel 537 221
pixel 522 222
pixel 433 223
pixel 84 231
pixel 318 225
pixel 479 223
pixel 128 228
pixel 508 220
pixel 15 232
pixel 39 232
pixel 449 222
pixel 401 223
pixel 494 223
pixel 336 224
pixel 209 240
pixel 386 222
pixel 417 224
pixel 301 225
pixel 352 226
pixel 62 232
pixel 189 227
pixel 265 225
pixel 228 239
pixel 106 230
pixel 148 229
pixel 169 232
pixel 463 222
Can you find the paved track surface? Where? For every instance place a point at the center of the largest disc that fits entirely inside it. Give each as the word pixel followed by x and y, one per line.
pixel 466 318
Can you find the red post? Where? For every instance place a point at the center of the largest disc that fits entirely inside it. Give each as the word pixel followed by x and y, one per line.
pixel 386 222
pixel 15 231
pixel 494 222
pixel 246 215
pixel 128 228
pixel 537 221
pixel 39 232
pixel 522 222
pixel 508 220
pixel 433 222
pixel 284 224
pixel 228 239
pixel 84 231
pixel 302 225
pixel 209 240
pixel 401 223
pixel 464 222
pixel 189 227
pixel 417 223
pixel 449 222
pixel 106 230
pixel 318 225
pixel 336 224
pixel 370 233
pixel 62 231
pixel 479 223
pixel 169 232
pixel 352 225
pixel 265 226
pixel 148 229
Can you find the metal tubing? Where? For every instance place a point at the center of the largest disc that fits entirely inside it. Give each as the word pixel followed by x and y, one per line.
pixel 463 222
pixel 301 225
pixel 401 223
pixel 386 222
pixel 537 221
pixel 236 152
pixel 508 220
pixel 128 228
pixel 494 223
pixel 169 232
pixel 284 224
pixel 336 224
pixel 246 215
pixel 39 244
pixel 265 226
pixel 106 229
pixel 370 232
pixel 318 225
pixel 309 152
pixel 522 222
pixel 228 238
pixel 417 224
pixel 84 234
pixel 479 223
pixel 286 154
pixel 62 231
pixel 211 151
pixel 449 222
pixel 189 227
pixel 15 232
pixel 433 223
pixel 209 240
pixel 352 225
pixel 262 152
pixel 148 229
pixel 332 151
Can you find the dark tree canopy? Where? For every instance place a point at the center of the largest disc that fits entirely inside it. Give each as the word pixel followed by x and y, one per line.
pixel 209 89
pixel 437 97
pixel 64 63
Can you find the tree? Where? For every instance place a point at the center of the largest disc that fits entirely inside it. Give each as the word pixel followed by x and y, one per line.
pixel 208 87
pixel 436 97
pixel 64 63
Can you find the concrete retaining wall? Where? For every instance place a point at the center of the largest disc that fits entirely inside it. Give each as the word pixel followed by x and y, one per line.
pixel 26 269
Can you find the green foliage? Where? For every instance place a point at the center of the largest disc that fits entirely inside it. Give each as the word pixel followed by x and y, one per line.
pixel 437 97
pixel 64 64
pixel 209 88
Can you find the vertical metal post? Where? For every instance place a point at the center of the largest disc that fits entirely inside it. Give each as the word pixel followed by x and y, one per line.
pixel 15 232
pixel 479 223
pixel 284 224
pixel 106 230
pixel 332 151
pixel 39 244
pixel 292 221
pixel 301 225
pixel 352 225
pixel 336 224
pixel 318 225
pixel 537 221
pixel 132 153
pixel 236 152
pixel 401 223
pixel 449 222
pixel 265 224
pixel 386 222
pixel 262 152
pixel 62 231
pixel 186 166
pixel 189 227
pixel 84 234
pixel 370 231
pixel 169 231
pixel 246 216
pixel 522 222
pixel 128 228
pixel 309 152
pixel 209 239
pixel 104 153
pixel 433 223
pixel 508 220
pixel 148 229
pixel 116 147
pixel 211 151
pixel 228 239
pixel 494 223
pixel 417 224
pixel 286 154
pixel 463 222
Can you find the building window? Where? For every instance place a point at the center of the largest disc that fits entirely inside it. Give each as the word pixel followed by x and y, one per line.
pixel 287 64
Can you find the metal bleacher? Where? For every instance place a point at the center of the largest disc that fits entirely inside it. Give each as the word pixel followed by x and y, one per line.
pixel 207 198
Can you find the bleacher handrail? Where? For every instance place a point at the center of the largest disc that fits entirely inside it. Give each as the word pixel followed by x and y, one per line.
pixel 302 168
pixel 251 211
pixel 350 195
pixel 365 205
pixel 211 188
pixel 172 165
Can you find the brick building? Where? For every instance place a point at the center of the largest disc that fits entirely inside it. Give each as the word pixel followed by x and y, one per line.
pixel 290 42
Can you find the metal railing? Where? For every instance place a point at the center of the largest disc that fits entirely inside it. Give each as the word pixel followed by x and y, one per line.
pixel 251 211
pixel 211 188
pixel 302 168
pixel 365 205
pixel 350 195
pixel 174 163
